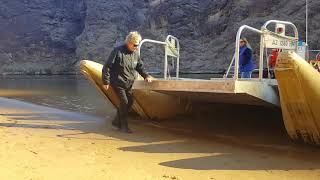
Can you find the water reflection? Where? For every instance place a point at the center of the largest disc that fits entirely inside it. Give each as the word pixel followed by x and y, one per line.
pixel 73 93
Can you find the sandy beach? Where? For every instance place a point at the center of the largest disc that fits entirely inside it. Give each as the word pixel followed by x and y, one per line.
pixel 42 143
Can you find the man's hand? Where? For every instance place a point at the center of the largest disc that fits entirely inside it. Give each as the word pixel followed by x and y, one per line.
pixel 148 79
pixel 106 87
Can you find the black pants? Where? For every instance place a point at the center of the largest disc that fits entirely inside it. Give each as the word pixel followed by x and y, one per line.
pixel 126 101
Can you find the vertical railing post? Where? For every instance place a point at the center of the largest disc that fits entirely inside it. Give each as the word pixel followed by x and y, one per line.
pixel 261 57
pixel 165 63
pixel 236 54
pixel 177 71
pixel 178 59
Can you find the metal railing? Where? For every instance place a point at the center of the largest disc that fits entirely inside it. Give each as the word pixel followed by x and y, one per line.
pixel 268 32
pixel 237 49
pixel 229 68
pixel 171 48
pixel 264 33
pixel 314 59
pixel 313 55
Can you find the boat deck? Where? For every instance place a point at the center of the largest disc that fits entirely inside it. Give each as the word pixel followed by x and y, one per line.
pixel 217 90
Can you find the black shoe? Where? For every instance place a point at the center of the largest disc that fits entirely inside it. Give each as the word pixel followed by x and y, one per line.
pixel 116 124
pixel 126 130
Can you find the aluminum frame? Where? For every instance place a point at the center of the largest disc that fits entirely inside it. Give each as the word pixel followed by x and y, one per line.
pixel 165 44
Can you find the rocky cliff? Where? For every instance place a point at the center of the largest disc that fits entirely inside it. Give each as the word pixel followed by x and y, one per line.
pixel 52 35
pixel 37 36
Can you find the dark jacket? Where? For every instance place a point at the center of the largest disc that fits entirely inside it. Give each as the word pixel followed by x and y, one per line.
pixel 121 66
pixel 245 59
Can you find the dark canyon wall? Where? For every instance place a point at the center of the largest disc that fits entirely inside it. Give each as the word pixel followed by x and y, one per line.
pixel 51 36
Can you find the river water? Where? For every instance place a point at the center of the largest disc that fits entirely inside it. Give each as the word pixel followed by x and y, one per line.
pixel 73 93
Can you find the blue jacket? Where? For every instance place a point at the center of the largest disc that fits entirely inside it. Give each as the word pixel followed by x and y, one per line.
pixel 245 59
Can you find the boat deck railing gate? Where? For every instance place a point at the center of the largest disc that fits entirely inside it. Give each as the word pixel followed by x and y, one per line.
pixel 268 39
pixel 171 49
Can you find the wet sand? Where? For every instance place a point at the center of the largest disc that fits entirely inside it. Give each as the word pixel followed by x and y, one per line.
pixel 38 142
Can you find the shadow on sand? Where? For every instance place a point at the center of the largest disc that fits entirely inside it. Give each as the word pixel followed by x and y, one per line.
pixel 227 141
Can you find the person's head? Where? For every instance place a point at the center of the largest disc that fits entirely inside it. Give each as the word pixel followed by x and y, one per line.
pixel 132 41
pixel 243 42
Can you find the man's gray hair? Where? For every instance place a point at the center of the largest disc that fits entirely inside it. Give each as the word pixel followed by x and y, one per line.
pixel 133 37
